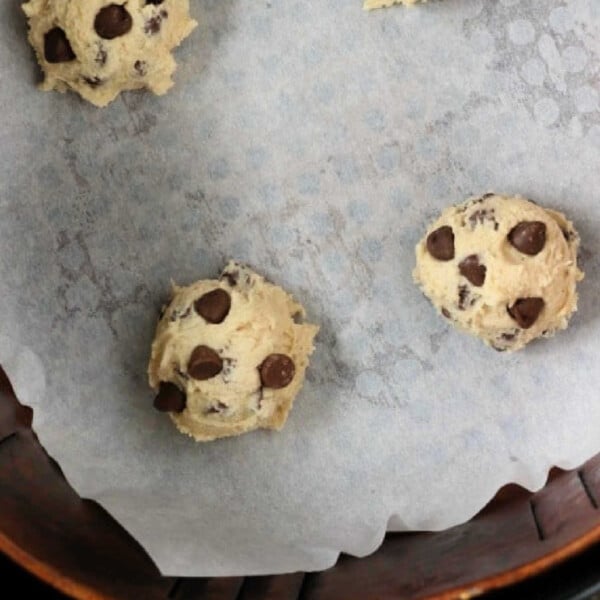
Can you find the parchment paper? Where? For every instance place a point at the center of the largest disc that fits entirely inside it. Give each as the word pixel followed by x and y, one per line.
pixel 315 142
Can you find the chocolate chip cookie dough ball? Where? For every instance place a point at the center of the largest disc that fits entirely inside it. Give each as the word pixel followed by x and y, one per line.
pixel 99 48
pixel 372 4
pixel 229 355
pixel 501 268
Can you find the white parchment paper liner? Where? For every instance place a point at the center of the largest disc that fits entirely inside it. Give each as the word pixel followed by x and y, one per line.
pixel 315 142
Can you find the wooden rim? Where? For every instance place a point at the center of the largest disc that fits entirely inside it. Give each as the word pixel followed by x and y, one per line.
pixel 47 573
pixel 64 584
pixel 537 567
pixel 76 547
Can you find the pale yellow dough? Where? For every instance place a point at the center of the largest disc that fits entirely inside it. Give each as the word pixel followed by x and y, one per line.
pixel 372 4
pixel 102 68
pixel 263 320
pixel 481 227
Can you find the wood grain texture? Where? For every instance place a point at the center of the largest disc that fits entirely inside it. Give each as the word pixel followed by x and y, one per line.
pixel 591 479
pixel 277 587
pixel 563 508
pixel 69 542
pixel 77 547
pixel 498 547
pixel 223 588
pixel 13 416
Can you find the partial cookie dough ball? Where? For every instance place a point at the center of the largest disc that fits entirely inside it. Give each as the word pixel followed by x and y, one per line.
pixel 372 4
pixel 501 268
pixel 100 48
pixel 229 355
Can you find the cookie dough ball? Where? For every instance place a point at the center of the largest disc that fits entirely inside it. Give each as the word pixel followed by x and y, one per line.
pixel 372 4
pixel 229 355
pixel 501 268
pixel 99 48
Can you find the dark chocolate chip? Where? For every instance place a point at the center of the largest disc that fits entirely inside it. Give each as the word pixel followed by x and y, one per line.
pixel 93 82
pixel 568 235
pixel 204 363
pixel 101 56
pixel 112 21
pixel 182 374
pixel 440 243
pixel 446 313
pixel 481 216
pixel 525 311
pixel 214 306
pixel 260 396
pixel 216 409
pixel 154 23
pixel 170 398
pixel 141 67
pixel 179 313
pixel 528 237
pixel 155 2
pixel 473 270
pixel 229 365
pixel 463 296
pixel 277 371
pixel 57 48
pixel 231 277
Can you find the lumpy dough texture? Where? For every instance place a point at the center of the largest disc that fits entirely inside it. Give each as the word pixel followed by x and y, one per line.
pixel 372 4
pixel 229 355
pixel 501 268
pixel 100 49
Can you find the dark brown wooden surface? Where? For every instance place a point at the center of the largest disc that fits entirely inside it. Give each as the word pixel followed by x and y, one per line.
pixel 78 548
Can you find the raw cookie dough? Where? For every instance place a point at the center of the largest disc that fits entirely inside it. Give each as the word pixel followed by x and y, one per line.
pixel 501 268
pixel 229 355
pixel 99 48
pixel 372 4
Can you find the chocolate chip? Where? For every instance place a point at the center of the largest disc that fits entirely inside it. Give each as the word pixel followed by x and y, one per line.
pixel 214 306
pixel 525 311
pixel 204 363
pixel 481 216
pixel 463 296
pixel 155 2
pixel 568 235
pixel 446 313
pixel 216 409
pixel 528 237
pixel 141 67
pixel 182 374
pixel 508 336
pixel 112 21
pixel 57 48
pixel 101 56
pixel 170 398
pixel 473 270
pixel 277 371
pixel 153 24
pixel 231 277
pixel 180 313
pixel 93 82
pixel 440 243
